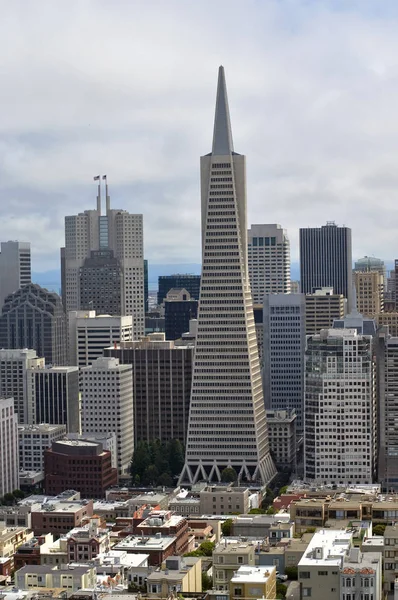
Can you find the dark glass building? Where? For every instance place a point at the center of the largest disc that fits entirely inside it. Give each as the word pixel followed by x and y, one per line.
pixel 34 318
pixel 56 397
pixel 326 259
pixel 101 279
pixel 178 313
pixel 189 282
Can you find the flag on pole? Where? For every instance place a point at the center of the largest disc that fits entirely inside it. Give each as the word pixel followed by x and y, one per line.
pixel 97 178
pixel 104 177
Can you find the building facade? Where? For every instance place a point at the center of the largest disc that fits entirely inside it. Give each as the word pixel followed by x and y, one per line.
pixel 15 268
pixel 90 333
pixel 189 282
pixel 390 320
pixel 268 260
pixel 32 317
pixel 162 379
pixel 326 259
pixel 118 233
pixel 227 424
pixel 282 438
pixel 283 351
pixel 33 440
pixel 371 263
pixel 340 408
pixel 369 287
pixel 14 365
pixel 179 309
pixel 321 308
pixel 107 405
pixel 101 282
pixel 9 472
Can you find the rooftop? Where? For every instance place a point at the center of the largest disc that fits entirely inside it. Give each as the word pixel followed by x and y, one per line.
pixel 253 574
pixel 327 547
pixel 42 569
pixel 145 543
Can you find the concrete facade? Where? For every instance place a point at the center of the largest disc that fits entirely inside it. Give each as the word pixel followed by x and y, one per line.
pixel 9 472
pixel 321 308
pixel 15 268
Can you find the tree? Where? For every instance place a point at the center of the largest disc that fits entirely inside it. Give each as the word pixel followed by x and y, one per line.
pixel 140 461
pixel 379 529
pixel 270 511
pixel 281 590
pixel 227 527
pixel 18 494
pixel 256 511
pixel 283 490
pixel 151 475
pixel 207 582
pixel 292 573
pixel 165 479
pixel 176 456
pixel 206 548
pixel 8 499
pixel 229 475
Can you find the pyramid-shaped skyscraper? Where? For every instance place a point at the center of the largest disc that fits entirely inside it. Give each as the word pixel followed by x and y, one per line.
pixel 227 424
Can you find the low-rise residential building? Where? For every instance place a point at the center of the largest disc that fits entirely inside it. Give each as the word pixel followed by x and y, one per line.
pixel 274 527
pixel 253 582
pixel 163 522
pixel 85 543
pixel 157 547
pixel 185 503
pixel 390 557
pixel 11 538
pixel 203 531
pixel 55 553
pixel 177 576
pixel 361 575
pixel 227 558
pixel 60 516
pixel 29 552
pixel 40 577
pixel 224 500
pixel 132 569
pixel 154 499
pixel 16 516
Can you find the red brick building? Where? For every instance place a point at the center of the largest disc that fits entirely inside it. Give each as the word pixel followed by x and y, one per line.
pixel 80 465
pixel 166 523
pixel 60 516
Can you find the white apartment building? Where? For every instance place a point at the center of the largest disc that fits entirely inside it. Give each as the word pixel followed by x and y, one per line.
pixel 119 232
pixel 15 268
pixel 269 261
pixel 332 569
pixel 90 333
pixel 107 405
pixel 33 440
pixel 9 473
pixel 14 365
pixel 340 408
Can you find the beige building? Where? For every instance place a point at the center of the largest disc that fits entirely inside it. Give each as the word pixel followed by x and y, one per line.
pixel 177 576
pixel 253 582
pixel 9 472
pixel 389 319
pixel 390 557
pixel 227 559
pixel 11 538
pixel 48 577
pixel 369 287
pixel 321 308
pixel 224 500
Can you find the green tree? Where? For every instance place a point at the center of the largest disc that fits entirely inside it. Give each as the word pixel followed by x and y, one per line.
pixel 207 582
pixel 256 511
pixel 150 476
pixel 18 494
pixel 206 548
pixel 281 590
pixel 283 490
pixel 227 527
pixel 8 499
pixel 229 475
pixel 176 456
pixel 270 511
pixel 379 529
pixel 140 461
pixel 292 573
pixel 165 479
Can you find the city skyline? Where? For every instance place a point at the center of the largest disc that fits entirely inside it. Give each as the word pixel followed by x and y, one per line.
pixel 316 117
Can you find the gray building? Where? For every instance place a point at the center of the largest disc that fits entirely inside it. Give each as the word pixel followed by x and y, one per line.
pixel 15 267
pixel 283 353
pixel 101 279
pixel 326 259
pixel 33 317
pixel 282 438
pixel 162 378
pixel 14 366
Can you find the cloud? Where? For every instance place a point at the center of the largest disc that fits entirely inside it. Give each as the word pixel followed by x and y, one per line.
pixel 127 88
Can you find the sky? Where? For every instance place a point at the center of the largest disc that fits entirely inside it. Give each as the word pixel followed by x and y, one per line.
pixel 127 89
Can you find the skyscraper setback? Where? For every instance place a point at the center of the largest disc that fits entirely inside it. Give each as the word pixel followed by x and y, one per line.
pixel 103 252
pixel 227 423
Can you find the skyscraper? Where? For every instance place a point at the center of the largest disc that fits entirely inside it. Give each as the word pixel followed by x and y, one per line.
pixel 100 283
pixel 14 365
pixel 117 233
pixel 269 261
pixel 326 259
pixel 9 472
pixel 191 283
pixel 227 423
pixel 15 267
pixel 33 317
pixel 283 353
pixel 369 287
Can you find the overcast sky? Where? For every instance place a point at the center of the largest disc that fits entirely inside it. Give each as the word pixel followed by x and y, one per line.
pixel 127 88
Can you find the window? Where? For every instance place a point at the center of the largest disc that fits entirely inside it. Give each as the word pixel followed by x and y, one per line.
pixel 322 572
pixel 304 575
pixel 307 592
pixel 237 591
pixel 240 560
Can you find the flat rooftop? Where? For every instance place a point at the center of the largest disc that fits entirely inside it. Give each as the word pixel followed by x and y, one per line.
pixel 247 574
pixel 145 544
pixel 327 547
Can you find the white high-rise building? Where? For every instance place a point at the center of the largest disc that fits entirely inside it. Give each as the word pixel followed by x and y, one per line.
pixel 340 408
pixel 117 231
pixel 14 365
pixel 227 424
pixel 90 333
pixel 15 268
pixel 33 440
pixel 107 405
pixel 269 261
pixel 9 472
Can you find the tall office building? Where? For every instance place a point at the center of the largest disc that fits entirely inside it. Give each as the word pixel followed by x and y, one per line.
pixel 321 309
pixel 162 378
pixel 54 397
pixel 191 283
pixel 14 365
pixel 15 267
pixel 227 423
pixel 387 367
pixel 326 259
pixel 9 472
pixel 371 263
pixel 107 405
pixel 283 354
pixel 369 287
pixel 101 278
pixel 90 333
pixel 146 286
pixel 269 261
pixel 33 440
pixel 179 309
pixel 340 408
pixel 118 233
pixel 34 318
